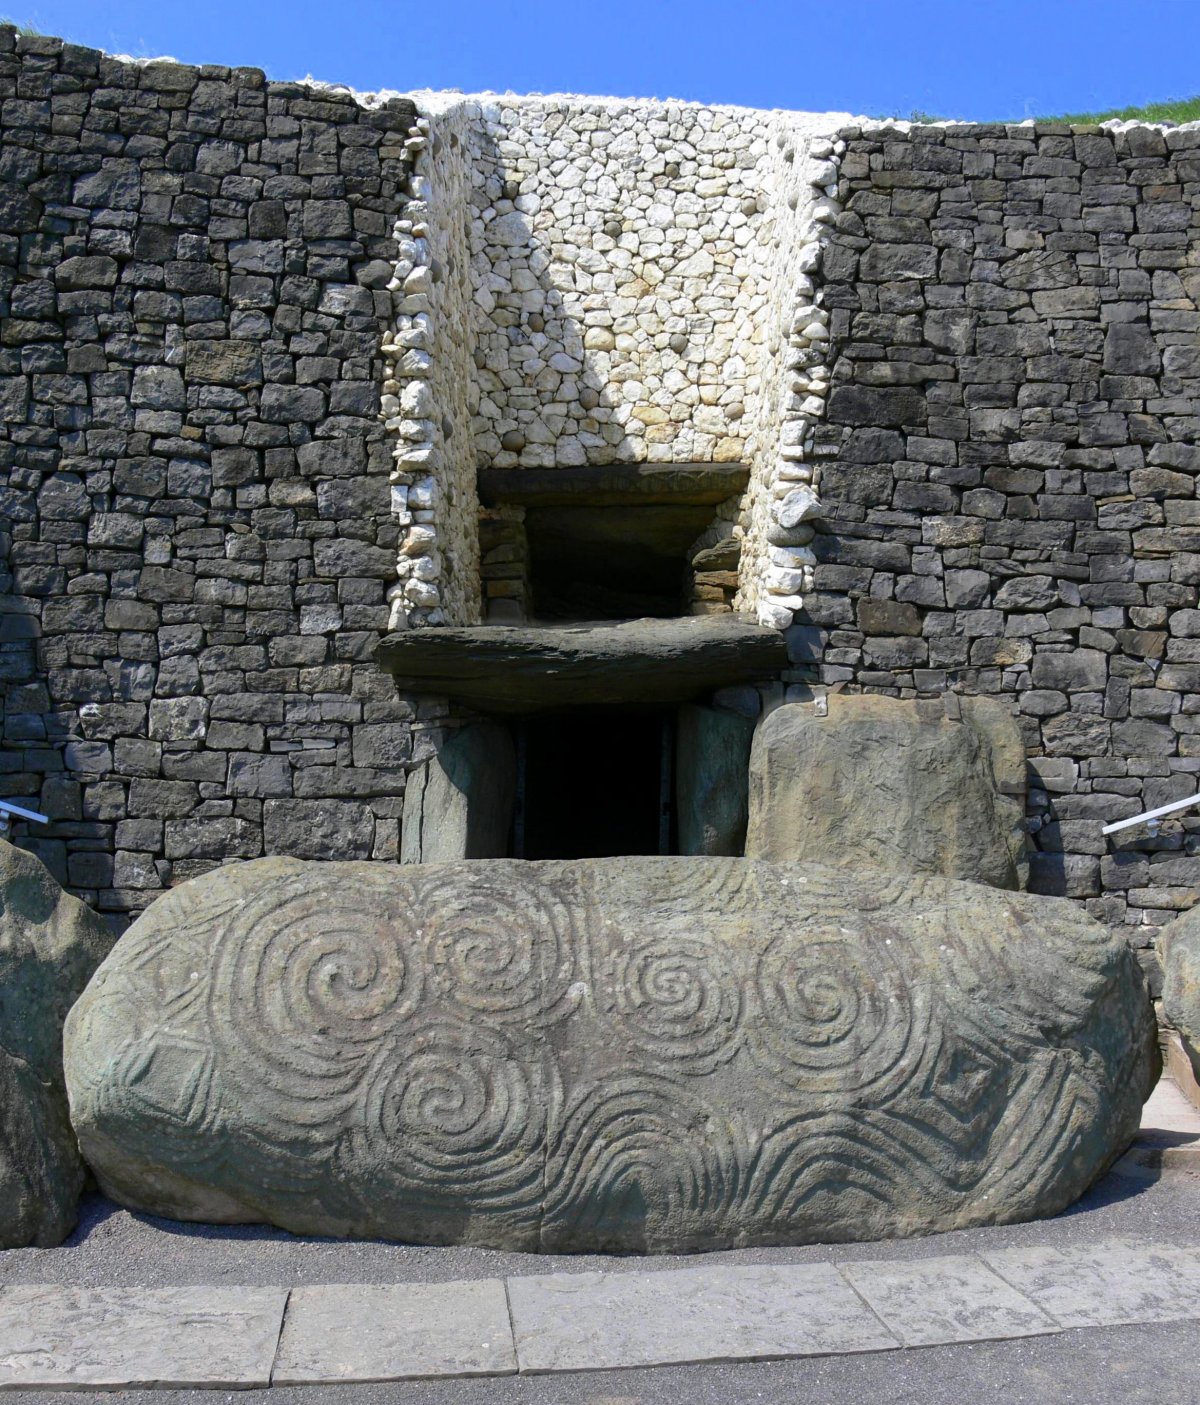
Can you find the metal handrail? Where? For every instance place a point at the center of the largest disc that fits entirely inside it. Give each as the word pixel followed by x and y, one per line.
pixel 1149 816
pixel 10 812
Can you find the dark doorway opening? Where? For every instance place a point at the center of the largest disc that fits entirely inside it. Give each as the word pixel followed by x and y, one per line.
pixel 593 785
pixel 611 563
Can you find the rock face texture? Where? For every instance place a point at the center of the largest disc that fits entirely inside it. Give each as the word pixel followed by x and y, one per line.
pixel 1180 947
pixel 635 1054
pixel 711 764
pixel 515 672
pixel 890 784
pixel 459 804
pixel 50 944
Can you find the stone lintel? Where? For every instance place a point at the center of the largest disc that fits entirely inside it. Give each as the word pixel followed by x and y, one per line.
pixel 612 485
pixel 514 671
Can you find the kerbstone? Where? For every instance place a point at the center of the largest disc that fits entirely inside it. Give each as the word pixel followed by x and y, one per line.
pixel 363 1332
pixel 897 785
pixel 600 1321
pixel 54 1338
pixel 634 1055
pixel 50 944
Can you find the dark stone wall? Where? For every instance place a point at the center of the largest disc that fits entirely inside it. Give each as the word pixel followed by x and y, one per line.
pixel 195 528
pixel 196 535
pixel 1011 458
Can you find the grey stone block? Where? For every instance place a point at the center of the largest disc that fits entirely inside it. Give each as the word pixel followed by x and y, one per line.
pixel 55 1338
pixel 861 405
pixel 178 719
pixel 602 1321
pixel 292 404
pixel 1034 592
pixel 159 387
pixel 224 363
pixel 359 1332
pixel 888 617
pixel 332 458
pixel 606 1055
pixel 929 1302
pixel 1078 670
pixel 318 829
pixel 327 219
pixel 1110 1284
pixel 882 262
pixel 75 274
pixel 345 556
pixel 894 785
pixel 250 774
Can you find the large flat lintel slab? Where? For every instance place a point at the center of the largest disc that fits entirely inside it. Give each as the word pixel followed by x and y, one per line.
pixel 514 671
pixel 612 485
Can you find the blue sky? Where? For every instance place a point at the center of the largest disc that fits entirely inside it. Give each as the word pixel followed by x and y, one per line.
pixel 977 59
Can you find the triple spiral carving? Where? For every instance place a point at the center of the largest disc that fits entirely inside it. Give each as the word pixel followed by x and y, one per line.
pixel 741 1058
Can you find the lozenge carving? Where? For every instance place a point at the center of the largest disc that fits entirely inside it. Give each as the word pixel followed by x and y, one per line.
pixel 635 1054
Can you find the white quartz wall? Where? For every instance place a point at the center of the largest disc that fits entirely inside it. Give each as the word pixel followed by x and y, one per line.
pixel 781 502
pixel 618 283
pixel 587 281
pixel 432 390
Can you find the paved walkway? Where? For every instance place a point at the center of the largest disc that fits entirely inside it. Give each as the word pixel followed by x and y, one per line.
pixel 57 1337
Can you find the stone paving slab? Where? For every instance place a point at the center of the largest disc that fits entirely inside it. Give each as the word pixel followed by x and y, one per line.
pixel 360 1332
pixel 54 1338
pixel 952 1299
pixel 601 1321
pixel 61 1338
pixel 1110 1284
pixel 1169 1118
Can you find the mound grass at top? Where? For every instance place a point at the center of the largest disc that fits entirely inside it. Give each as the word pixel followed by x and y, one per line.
pixel 1173 110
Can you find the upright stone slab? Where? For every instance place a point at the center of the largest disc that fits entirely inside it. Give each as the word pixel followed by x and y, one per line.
pixel 634 1054
pixel 1180 947
pixel 891 784
pixel 50 944
pixel 712 760
pixel 459 804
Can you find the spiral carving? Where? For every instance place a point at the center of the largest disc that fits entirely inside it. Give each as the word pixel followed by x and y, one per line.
pixel 455 1113
pixel 836 1014
pixel 304 986
pixel 502 953
pixel 632 1055
pixel 673 998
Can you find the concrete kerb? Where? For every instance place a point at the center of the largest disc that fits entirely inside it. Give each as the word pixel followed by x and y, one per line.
pixel 56 1338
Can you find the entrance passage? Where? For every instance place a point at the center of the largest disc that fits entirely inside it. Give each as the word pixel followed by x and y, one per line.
pixel 593 785
pixel 610 563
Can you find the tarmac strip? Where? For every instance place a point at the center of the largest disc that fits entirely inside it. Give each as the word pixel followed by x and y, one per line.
pixel 60 1338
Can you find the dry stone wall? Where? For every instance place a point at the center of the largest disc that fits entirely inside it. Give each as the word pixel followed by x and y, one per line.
pixel 598 281
pixel 259 337
pixel 431 389
pixel 196 536
pixel 1010 483
pixel 618 284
